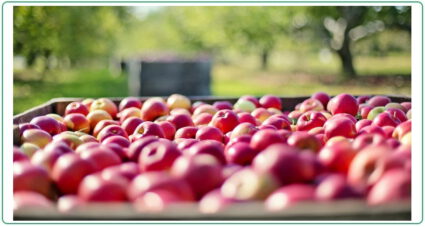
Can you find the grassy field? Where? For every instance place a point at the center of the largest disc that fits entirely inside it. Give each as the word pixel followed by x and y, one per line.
pixel 300 76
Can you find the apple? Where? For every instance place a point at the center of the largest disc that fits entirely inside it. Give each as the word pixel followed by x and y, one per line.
pixel 388 131
pixel 341 126
pixel 244 138
pixel 180 111
pixel 46 158
pixel 264 138
pixel 196 169
pixel 77 122
pixel 210 147
pixel 310 120
pixel 148 128
pixel 225 120
pixel 180 120
pixel 158 156
pixel 94 188
pixel 185 143
pixel 278 122
pixel 30 177
pixel 343 103
pixel 119 140
pixel 26 126
pixel 367 139
pixel 48 124
pixel 363 99
pixel 285 163
pixel 106 105
pixel 394 105
pixel 18 155
pixel 130 124
pixel 261 114
pixel 322 97
pixel 271 101
pixel 289 195
pixel 159 180
pixel 37 137
pixel 102 124
pixel 244 105
pixel 230 169
pixel 153 109
pixel 111 130
pixel 186 132
pixel 130 102
pixel 251 99
pixel 70 138
pixel 362 123
pixel 118 150
pixel 311 104
pixel 69 203
pixel 365 110
pixel 96 116
pixel 209 133
pixel 202 119
pixel 348 116
pixel 406 105
pixel 337 156
pixel 29 149
pixel 248 184
pixel 394 185
pixel 129 112
pixel 402 129
pixel 246 117
pixel 128 170
pixel 372 129
pixel 137 146
pixel 156 201
pixel 223 105
pixel 335 186
pixel 88 138
pixel 243 129
pixel 397 113
pixel 378 101
pixel 101 157
pixel 87 102
pixel 168 128
pixel 407 139
pixel 214 202
pixel 76 107
pixel 316 131
pixel 409 114
pixel 386 119
pixel 303 140
pixel 31 200
pixel 178 101
pixel 205 108
pixel 240 153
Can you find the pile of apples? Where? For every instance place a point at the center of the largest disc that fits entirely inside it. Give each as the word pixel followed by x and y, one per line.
pixel 164 152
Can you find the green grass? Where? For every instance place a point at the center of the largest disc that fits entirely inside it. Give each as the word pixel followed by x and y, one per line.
pixel 294 77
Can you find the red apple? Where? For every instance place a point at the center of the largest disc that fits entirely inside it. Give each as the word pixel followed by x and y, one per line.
pixel 137 146
pixel 362 123
pixel 129 112
pixel 119 140
pixel 316 131
pixel 118 150
pixel 36 136
pixel 365 110
pixel 186 132
pixel 180 120
pixel 18 155
pixel 388 131
pixel 378 101
pixel 393 186
pixel 386 119
pixel 26 126
pixel 76 107
pixel 96 116
pixel 111 130
pixel 153 109
pixel 397 113
pixel 77 122
pixel 178 101
pixel 180 111
pixel 271 101
pixel 101 157
pixel 47 157
pixel 130 102
pixel 341 126
pixel 406 105
pixel 278 122
pixel 251 99
pixel 322 97
pixel 310 120
pixel 130 124
pixel 225 120
pixel 367 139
pixel 363 99
pixel 106 105
pixel 205 108
pixel 156 201
pixel 209 133
pixel 240 153
pixel 402 129
pixel 168 128
pixel 30 177
pixel 261 114
pixel 343 103
pixel 339 115
pixel 148 128
pixel 303 140
pixel 243 129
pixel 88 138
pixel 128 170
pixel 210 147
pixel 70 138
pixel 31 200
pixel 48 124
pixel 158 155
pixel 337 156
pixel 264 138
pixel 94 188
pixel 334 186
pixel 223 105
pixel 295 114
pixel 202 119
pixel 246 117
pixel 103 124
pixel 289 195
pixel 371 129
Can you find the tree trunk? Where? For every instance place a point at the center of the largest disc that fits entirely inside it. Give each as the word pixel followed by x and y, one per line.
pixel 348 71
pixel 265 59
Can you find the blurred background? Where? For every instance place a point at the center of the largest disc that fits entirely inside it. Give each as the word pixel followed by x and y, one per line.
pixel 111 51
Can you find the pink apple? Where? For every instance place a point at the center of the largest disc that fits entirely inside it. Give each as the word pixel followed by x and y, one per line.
pixel 209 133
pixel 48 124
pixel 365 110
pixel 363 99
pixel 158 156
pixel 205 108
pixel 264 138
pixel 101 157
pixel 310 105
pixel 128 170
pixel 18 155
pixel 337 156
pixel 240 153
pixel 362 123
pixel 340 127
pixel 214 202
pixel 246 117
pixel 130 124
pixel 271 101
pixel 116 139
pixel 278 122
pixel 153 109
pixel 210 147
pixel 223 105
pixel 289 195
pixel 393 186
pixel 343 103
pixel 186 132
pixel 261 114
pixel 367 139
pixel 31 200
pixel 47 157
pixel 402 129
pixel 388 131
pixel 111 130
pixel 372 129
pixel 70 203
pixel 334 186
pixel 30 177
pixel 322 97
pixel 386 119
pixel 148 128
pixel 243 129
pixel 76 107
pixel 303 140
pixel 406 105
pixel 225 120
pixel 36 136
pixel 77 122
pixel 168 128
pixel 202 119
pixel 137 146
pixel 130 102
pixel 310 120
pixel 378 101
pixel 180 120
pixel 94 188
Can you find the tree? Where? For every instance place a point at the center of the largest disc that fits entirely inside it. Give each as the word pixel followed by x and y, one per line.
pixel 344 25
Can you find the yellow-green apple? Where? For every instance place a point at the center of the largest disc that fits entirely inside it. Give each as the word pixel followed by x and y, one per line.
pixel 310 120
pixel 394 185
pixel 264 138
pixel 289 195
pixel 76 107
pixel 178 101
pixel 72 140
pixel 409 114
pixel 24 126
pixel 30 177
pixel 244 105
pixel 343 103
pixel 251 99
pixel 268 101
pixel 130 102
pixel 106 105
pixel 48 124
pixel 38 137
pixel 29 149
pixel 96 116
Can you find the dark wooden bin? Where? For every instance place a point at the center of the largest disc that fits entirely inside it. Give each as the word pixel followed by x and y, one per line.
pixel 346 210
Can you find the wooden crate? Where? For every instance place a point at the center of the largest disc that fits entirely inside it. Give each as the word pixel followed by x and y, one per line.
pixel 307 211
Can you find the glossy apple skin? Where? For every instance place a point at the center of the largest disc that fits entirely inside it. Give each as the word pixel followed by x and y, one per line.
pixel 343 115
pixel 76 107
pixel 30 177
pixel 202 119
pixel 385 119
pixel 372 129
pixel 26 126
pixel 137 146
pixel 153 109
pixel 225 120
pixel 248 184
pixel 96 116
pixel 178 101
pixel 127 113
pixel 310 120
pixel 102 157
pixel 209 133
pixel 118 150
pixel 251 99
pixel 303 140
pixel 362 123
pixel 240 153
pixel 31 200
pixel 69 203
pixel 244 106
pixel 130 124
pixel 363 99
pixel 128 170
pixel 223 105
pixel 367 139
pixel 48 124
pixel 214 202
pixel 111 130
pixel 264 138
pixel 155 201
pixel 311 105
pixel 271 101
pixel 340 127
pixel 46 158
pixel 130 102
pixel 158 156
pixel 205 108
pixel 261 114
pixel 278 122
pixel 289 195
pixel 69 170
pixel 243 129
pixel 247 117
pixel 103 124
pixel 406 105
pixel 94 188
pixel 106 105
pixel 186 132
pixel 159 180
pixel 180 120
pixel 337 156
pixel 195 169
pixel 148 128
pixel 322 97
pixel 335 186
pixel 77 122
pixel 119 140
pixel 211 147
pixel 285 163
pixel 18 155
pixel 36 136
pixel 394 185
pixel 402 129
pixel 397 113
pixel 343 103
pixel 364 111
pixel 378 101
pixel 168 128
